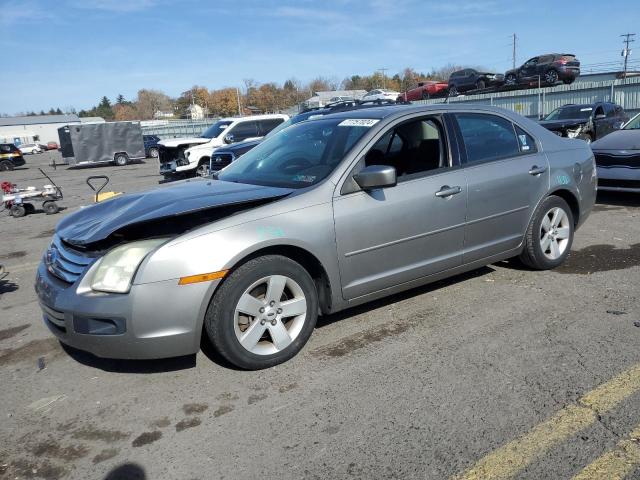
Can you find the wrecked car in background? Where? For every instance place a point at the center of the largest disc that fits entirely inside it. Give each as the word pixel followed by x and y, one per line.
pixel 548 69
pixel 190 156
pixel 322 216
pixel 587 122
pixel 618 158
pixel 424 90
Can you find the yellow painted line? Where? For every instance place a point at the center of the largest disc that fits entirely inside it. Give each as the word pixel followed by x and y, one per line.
pixel 508 460
pixel 615 464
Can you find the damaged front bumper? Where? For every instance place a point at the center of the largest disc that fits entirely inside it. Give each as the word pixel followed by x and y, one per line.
pixel 153 320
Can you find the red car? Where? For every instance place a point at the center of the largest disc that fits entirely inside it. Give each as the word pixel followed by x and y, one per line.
pixel 52 146
pixel 424 90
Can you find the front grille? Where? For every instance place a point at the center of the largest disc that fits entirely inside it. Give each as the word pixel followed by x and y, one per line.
pixel 605 160
pixel 221 160
pixel 65 263
pixel 169 154
pixel 605 182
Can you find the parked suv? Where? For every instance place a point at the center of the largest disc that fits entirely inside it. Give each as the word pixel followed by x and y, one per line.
pixel 151 145
pixel 10 157
pixel 588 122
pixel 550 68
pixel 190 156
pixel 471 79
pixel 325 215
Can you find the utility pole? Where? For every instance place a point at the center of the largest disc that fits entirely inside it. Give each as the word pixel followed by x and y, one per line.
pixel 384 80
pixel 625 51
pixel 238 98
pixel 513 55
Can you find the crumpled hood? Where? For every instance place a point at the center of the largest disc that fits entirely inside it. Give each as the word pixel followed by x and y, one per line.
pixel 619 140
pixel 556 124
pixel 97 222
pixel 176 142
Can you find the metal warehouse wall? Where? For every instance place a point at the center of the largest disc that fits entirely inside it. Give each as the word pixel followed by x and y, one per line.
pixel 536 102
pixel 47 132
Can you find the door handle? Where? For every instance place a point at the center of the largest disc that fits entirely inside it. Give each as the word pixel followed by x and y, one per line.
pixel 447 191
pixel 536 170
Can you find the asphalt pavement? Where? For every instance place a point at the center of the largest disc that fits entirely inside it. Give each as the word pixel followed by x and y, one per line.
pixel 503 372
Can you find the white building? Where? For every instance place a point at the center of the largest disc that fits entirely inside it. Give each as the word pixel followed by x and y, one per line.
pixel 195 112
pixel 36 128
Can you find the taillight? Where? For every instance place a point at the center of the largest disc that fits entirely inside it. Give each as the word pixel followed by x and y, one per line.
pixel 563 61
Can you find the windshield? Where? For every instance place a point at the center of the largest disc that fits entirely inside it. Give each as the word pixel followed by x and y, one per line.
pixel 216 129
pixel 299 156
pixel 634 123
pixel 569 113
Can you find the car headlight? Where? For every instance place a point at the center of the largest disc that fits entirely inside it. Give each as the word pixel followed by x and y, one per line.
pixel 117 268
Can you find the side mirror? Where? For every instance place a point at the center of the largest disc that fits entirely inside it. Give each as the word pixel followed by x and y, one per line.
pixel 228 138
pixel 600 116
pixel 376 176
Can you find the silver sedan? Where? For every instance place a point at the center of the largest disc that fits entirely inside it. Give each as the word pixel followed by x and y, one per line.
pixel 327 214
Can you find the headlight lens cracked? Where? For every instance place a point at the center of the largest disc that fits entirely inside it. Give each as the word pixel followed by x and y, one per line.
pixel 117 268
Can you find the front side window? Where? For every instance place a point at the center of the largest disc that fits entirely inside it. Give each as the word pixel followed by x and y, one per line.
pixel 487 137
pixel 299 156
pixel 243 130
pixel 412 148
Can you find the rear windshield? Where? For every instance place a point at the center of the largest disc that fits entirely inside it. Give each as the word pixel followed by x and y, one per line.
pixel 299 156
pixel 7 147
pixel 570 113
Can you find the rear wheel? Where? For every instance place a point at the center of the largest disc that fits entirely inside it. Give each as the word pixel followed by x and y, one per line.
pixel 18 211
pixel 549 234
pixel 453 91
pixel 153 152
pixel 50 207
pixel 510 79
pixel 5 166
pixel 480 84
pixel 551 77
pixel 121 159
pixel 425 95
pixel 263 313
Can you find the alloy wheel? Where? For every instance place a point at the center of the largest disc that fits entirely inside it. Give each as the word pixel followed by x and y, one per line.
pixel 554 233
pixel 270 315
pixel 551 76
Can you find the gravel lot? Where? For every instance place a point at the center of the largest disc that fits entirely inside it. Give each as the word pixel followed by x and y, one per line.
pixel 421 385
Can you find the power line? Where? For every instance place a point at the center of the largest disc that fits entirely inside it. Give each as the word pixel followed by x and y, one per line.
pixel 626 52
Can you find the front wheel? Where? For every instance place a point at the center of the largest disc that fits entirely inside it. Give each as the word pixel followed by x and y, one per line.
pixel 510 79
pixel 551 77
pixel 6 166
pixel 50 207
pixel 549 235
pixel 18 211
pixel 153 152
pixel 425 95
pixel 453 91
pixel 263 313
pixel 480 85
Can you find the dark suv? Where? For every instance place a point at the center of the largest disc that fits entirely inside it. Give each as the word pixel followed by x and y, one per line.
pixel 10 157
pixel 471 79
pixel 151 145
pixel 587 122
pixel 550 68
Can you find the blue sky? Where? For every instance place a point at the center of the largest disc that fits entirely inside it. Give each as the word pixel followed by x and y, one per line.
pixel 71 52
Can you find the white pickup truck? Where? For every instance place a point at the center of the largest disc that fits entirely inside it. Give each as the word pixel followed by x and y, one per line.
pixel 190 156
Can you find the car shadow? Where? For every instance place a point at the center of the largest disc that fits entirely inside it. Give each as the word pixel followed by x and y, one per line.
pixel 131 366
pixel 127 471
pixel 326 320
pixel 623 199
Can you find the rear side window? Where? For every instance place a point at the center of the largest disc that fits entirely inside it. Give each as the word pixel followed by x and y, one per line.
pixel 487 137
pixel 525 141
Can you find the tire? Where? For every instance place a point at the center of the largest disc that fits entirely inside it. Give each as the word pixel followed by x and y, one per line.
pixel 453 91
pixel 202 170
pixel 539 251
pixel 224 323
pixel 153 152
pixel 480 85
pixel 6 166
pixel 50 207
pixel 121 159
pixel 551 77
pixel 586 137
pixel 425 95
pixel 568 81
pixel 18 211
pixel 510 79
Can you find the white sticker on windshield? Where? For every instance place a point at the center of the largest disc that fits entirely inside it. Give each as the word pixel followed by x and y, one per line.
pixel 311 117
pixel 358 122
pixel 586 109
